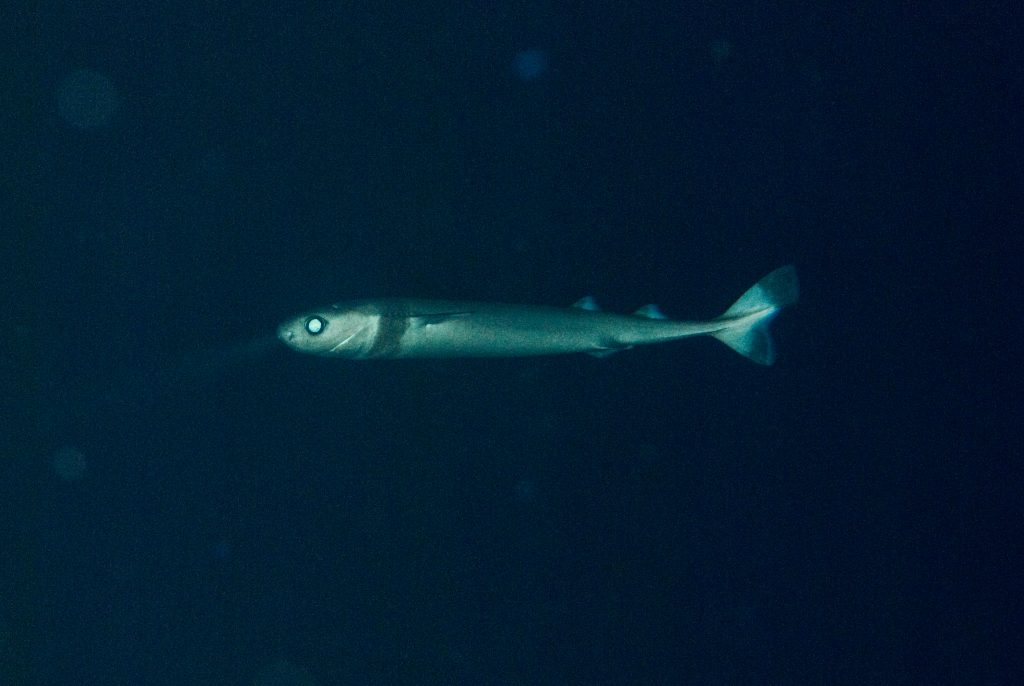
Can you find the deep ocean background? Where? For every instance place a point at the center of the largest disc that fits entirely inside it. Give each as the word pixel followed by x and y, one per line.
pixel 185 502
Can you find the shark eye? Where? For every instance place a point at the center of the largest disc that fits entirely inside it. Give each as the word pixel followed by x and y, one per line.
pixel 315 326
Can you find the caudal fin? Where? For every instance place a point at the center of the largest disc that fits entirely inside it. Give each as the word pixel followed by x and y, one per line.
pixel 747 330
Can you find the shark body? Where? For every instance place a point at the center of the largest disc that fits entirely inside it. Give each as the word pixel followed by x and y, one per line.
pixel 391 328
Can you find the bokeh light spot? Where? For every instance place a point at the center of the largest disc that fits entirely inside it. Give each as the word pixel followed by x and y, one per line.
pixel 531 64
pixel 69 463
pixel 86 99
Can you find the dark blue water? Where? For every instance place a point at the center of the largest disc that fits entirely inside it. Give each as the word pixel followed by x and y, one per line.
pixel 190 503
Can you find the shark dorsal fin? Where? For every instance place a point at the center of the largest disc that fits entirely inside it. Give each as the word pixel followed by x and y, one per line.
pixel 587 303
pixel 650 312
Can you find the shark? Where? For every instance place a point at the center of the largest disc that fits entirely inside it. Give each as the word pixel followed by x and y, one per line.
pixel 397 328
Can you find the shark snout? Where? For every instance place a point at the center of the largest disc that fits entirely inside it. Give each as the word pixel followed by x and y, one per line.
pixel 285 334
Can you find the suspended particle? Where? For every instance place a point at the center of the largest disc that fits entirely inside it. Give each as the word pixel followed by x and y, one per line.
pixel 720 50
pixel 525 491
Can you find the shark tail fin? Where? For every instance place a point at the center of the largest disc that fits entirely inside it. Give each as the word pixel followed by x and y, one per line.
pixel 747 321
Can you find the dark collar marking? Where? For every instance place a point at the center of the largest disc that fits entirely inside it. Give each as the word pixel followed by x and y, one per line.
pixel 394 320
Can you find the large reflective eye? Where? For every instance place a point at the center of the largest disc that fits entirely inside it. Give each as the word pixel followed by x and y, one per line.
pixel 315 325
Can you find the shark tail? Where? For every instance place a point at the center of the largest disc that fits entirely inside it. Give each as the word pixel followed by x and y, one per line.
pixel 746 322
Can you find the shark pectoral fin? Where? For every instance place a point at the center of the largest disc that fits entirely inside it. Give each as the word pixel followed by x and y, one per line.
pixel 436 317
pixel 605 352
